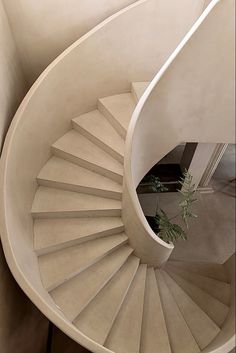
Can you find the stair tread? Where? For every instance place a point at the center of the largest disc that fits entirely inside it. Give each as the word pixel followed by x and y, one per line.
pixel 75 294
pixel 120 106
pixel 73 144
pixel 58 267
pixel 97 125
pixel 125 334
pixel 60 172
pixel 54 201
pixel 216 310
pixel 97 319
pixel 51 234
pixel 138 89
pixel 212 270
pixel 154 333
pixel 203 329
pixel 217 289
pixel 180 336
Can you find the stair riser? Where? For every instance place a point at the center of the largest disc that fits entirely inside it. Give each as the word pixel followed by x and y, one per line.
pixel 85 164
pixel 81 189
pixel 99 289
pixel 115 123
pixel 50 249
pixel 73 274
pixel 121 303
pixel 74 214
pixel 99 143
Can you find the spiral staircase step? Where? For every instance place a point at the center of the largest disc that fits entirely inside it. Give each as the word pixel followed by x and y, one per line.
pixel 75 294
pixel 154 332
pixel 98 130
pixel 59 173
pixel 125 334
pixel 138 89
pixel 58 267
pixel 118 110
pixel 216 310
pixel 212 270
pixel 97 319
pixel 76 148
pixel 52 203
pixel 217 289
pixel 180 335
pixel 55 234
pixel 194 316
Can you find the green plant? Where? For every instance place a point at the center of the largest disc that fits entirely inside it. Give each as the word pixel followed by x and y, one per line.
pixel 163 226
pixel 155 183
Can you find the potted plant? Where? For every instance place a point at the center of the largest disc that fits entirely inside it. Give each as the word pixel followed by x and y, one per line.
pixel 163 225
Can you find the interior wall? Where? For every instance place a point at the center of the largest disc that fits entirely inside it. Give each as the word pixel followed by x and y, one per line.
pixel 23 329
pixel 12 82
pixel 43 29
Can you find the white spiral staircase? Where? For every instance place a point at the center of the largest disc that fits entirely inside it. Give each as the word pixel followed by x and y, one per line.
pixel 88 259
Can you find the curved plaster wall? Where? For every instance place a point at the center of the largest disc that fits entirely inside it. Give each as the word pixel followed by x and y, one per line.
pixel 190 99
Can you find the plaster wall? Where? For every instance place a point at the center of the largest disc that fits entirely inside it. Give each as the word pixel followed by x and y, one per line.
pixel 23 329
pixel 43 29
pixel 12 83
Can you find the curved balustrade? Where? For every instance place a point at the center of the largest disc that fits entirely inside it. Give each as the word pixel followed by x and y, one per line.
pixel 185 102
pixel 102 63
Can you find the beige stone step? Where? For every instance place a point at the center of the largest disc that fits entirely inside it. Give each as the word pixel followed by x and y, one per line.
pixel 58 267
pixel 180 336
pixel 154 333
pixel 216 310
pixel 52 203
pixel 74 295
pixel 138 89
pixel 203 329
pixel 118 110
pixel 97 129
pixel 97 319
pixel 125 334
pixel 77 149
pixel 59 173
pixel 212 270
pixel 217 289
pixel 55 234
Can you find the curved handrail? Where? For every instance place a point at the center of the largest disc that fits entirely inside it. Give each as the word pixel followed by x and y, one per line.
pixel 141 138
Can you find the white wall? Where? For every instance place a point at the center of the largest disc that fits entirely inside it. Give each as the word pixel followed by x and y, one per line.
pixel 12 83
pixel 43 29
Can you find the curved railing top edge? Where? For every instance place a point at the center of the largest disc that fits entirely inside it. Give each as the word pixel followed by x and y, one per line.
pixel 129 138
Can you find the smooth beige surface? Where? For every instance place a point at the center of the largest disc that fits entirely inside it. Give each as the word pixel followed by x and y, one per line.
pixel 60 173
pixel 54 234
pixel 217 289
pixel 154 333
pixel 93 126
pixel 97 319
pixel 74 295
pixel 43 30
pixel 118 109
pixel 78 149
pixel 58 267
pixel 216 310
pixel 176 325
pixel 51 203
pixel 125 334
pixel 12 82
pixel 194 316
